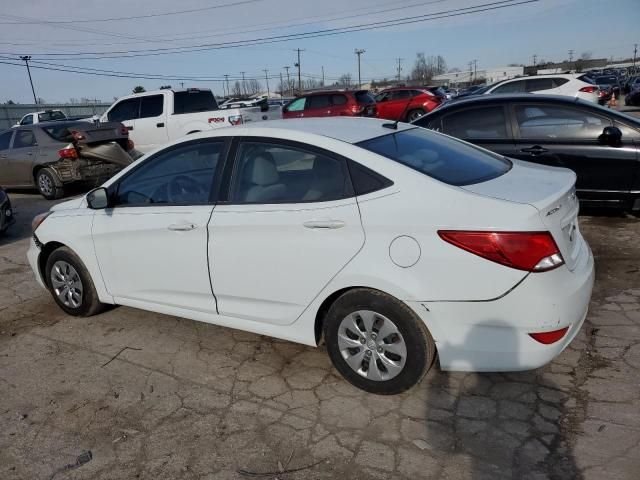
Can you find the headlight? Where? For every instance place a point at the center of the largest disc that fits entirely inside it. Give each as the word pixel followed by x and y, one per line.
pixel 38 219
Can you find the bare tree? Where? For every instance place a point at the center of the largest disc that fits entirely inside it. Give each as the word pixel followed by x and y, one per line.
pixel 236 89
pixel 425 68
pixel 253 86
pixel 344 81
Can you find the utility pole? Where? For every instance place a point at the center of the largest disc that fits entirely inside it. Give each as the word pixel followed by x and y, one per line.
pixel 26 59
pixel 299 75
pixel 322 75
pixel 358 52
pixel 635 52
pixel 281 85
pixel 266 78
pixel 475 70
pixel 226 79
pixel 181 84
pixel 399 67
pixel 288 81
pixel 470 72
pixel 244 85
pixel 570 57
pixel 535 58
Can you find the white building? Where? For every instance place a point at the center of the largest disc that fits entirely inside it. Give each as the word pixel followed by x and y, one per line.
pixel 490 75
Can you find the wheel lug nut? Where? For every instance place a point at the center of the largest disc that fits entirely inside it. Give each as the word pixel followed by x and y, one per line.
pixel 373 336
pixel 368 353
pixel 380 349
pixel 362 340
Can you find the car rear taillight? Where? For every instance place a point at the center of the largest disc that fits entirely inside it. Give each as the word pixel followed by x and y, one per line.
pixel 69 152
pixel 547 338
pixel 589 89
pixel 530 251
pixel 130 145
pixel 124 130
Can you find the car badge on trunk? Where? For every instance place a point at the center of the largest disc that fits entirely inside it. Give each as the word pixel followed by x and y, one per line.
pixel 553 210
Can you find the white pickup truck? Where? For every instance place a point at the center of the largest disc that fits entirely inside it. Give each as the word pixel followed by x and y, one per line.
pixel 155 118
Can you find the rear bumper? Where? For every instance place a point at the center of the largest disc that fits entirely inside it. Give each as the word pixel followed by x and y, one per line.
pixel 494 335
pixel 69 171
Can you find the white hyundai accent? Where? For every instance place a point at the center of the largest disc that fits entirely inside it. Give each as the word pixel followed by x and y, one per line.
pixel 389 242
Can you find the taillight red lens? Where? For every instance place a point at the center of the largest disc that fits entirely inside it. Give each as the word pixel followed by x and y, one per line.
pixel 547 338
pixel 69 152
pixel 124 130
pixel 530 251
pixel 589 89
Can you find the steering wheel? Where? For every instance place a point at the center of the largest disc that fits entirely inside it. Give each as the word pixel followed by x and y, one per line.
pixel 184 188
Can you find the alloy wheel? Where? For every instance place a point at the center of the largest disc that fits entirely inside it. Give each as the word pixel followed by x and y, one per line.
pixel 66 284
pixel 372 345
pixel 45 184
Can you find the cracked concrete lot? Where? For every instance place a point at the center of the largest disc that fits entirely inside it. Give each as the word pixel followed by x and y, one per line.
pixel 190 400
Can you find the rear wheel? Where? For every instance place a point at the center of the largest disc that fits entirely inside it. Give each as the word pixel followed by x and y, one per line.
pixel 377 342
pixel 415 114
pixel 70 284
pixel 48 185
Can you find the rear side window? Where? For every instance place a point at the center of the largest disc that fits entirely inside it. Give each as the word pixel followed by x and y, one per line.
pixel 365 180
pixel 445 159
pixel 557 82
pixel 511 87
pixel 538 84
pixel 365 97
pixel 24 138
pixel 193 101
pixel 5 140
pixel 401 95
pixel 318 101
pixel 558 122
pixel 476 123
pixel 151 106
pixel 125 110
pixel 338 99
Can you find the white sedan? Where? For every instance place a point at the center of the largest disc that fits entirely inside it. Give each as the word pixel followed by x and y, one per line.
pixel 388 242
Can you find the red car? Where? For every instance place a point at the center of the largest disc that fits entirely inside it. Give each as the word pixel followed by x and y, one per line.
pixel 405 103
pixel 332 104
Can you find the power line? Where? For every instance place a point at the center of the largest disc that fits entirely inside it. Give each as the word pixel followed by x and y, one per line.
pixel 132 17
pixel 283 38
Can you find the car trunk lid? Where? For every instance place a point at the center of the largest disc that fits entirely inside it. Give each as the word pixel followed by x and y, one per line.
pixel 551 191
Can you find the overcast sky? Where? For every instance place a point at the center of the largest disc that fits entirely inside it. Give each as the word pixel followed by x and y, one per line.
pixel 548 28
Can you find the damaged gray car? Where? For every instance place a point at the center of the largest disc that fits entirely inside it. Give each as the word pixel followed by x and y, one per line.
pixel 50 156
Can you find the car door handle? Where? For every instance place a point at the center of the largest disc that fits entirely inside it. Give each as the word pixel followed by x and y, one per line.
pixel 129 128
pixel 324 224
pixel 160 125
pixel 535 150
pixel 182 227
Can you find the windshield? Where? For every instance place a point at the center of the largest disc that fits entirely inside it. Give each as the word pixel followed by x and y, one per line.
pixel 439 156
pixel 53 115
pixel 192 101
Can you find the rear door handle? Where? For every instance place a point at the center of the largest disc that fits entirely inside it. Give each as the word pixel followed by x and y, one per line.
pixel 160 125
pixel 535 150
pixel 324 224
pixel 182 227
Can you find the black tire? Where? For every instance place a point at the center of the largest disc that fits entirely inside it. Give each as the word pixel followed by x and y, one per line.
pixel 414 114
pixel 48 185
pixel 420 347
pixel 89 303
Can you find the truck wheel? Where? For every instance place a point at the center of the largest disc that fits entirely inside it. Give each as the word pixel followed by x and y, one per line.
pixel 47 184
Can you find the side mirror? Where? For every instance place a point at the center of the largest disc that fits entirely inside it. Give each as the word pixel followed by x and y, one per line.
pixel 611 136
pixel 98 199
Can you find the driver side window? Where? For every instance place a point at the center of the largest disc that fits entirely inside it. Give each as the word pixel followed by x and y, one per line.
pixel 183 175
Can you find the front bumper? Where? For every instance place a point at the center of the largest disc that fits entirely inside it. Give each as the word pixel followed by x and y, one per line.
pixel 33 255
pixel 494 335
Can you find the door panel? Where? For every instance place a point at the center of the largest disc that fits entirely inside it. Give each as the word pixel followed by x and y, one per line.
pixel 568 137
pixel 5 143
pixel 152 245
pixel 21 157
pixel 150 127
pixel 292 225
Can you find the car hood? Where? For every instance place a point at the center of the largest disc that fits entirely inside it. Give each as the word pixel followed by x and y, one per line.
pixel 71 204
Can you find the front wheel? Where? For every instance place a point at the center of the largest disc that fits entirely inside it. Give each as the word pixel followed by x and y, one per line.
pixel 48 185
pixel 70 284
pixel 377 342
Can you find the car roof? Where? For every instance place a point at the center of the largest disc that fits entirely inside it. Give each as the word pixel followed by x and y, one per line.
pixel 345 129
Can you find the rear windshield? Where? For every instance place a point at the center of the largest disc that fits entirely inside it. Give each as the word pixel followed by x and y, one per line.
pixel 61 132
pixel 365 97
pixel 194 101
pixel 606 80
pixel 438 156
pixel 48 116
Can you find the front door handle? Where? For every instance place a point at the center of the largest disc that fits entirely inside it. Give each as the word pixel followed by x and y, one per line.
pixel 160 125
pixel 535 150
pixel 182 227
pixel 324 224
